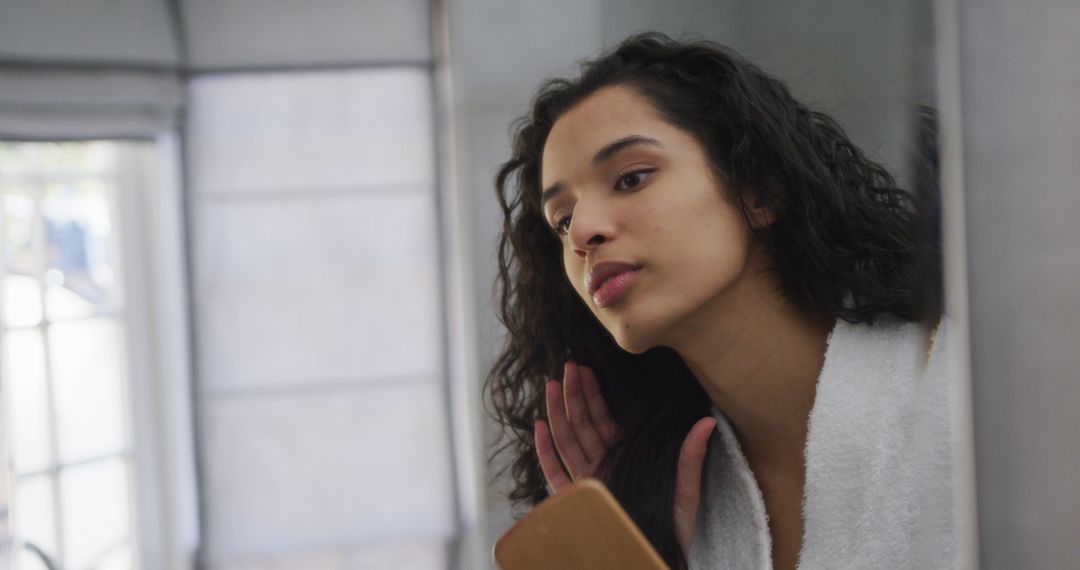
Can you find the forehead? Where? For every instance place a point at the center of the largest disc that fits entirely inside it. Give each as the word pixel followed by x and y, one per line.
pixel 609 114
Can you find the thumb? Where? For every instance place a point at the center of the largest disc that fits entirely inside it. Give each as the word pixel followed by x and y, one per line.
pixel 688 480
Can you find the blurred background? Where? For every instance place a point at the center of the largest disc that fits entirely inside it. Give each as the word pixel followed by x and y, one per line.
pixel 248 255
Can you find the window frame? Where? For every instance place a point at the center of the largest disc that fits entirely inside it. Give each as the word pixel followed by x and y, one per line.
pixel 159 339
pixel 146 205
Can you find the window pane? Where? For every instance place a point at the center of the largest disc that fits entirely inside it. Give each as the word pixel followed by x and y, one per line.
pixel 27 560
pixel 119 559
pixel 80 276
pixel 22 300
pixel 55 158
pixel 96 510
pixel 88 380
pixel 24 374
pixel 33 519
pixel 22 292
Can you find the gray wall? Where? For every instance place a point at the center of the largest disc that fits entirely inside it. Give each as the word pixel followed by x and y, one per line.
pixel 1020 83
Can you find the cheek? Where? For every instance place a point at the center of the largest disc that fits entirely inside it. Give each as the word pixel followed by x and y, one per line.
pixel 706 248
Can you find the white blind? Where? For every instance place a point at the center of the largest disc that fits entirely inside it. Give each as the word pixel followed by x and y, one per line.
pixel 113 68
pixel 86 103
pixel 318 314
pixel 88 31
pixel 276 33
pixel 88 69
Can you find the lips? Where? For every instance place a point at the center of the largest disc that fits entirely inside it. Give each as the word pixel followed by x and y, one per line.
pixel 603 271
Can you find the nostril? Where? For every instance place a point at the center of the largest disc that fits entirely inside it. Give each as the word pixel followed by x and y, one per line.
pixel 596 240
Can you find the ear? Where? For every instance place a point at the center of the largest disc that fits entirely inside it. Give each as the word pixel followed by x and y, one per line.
pixel 760 215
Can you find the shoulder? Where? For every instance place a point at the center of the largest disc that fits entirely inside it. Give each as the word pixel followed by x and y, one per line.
pixel 890 338
pixel 878 453
pixel 878 351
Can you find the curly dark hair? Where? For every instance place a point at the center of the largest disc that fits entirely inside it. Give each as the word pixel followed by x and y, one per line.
pixel 846 243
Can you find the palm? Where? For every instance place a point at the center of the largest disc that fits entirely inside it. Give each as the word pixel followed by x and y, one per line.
pixel 581 432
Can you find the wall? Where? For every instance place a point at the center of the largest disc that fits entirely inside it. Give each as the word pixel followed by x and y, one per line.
pixel 1019 86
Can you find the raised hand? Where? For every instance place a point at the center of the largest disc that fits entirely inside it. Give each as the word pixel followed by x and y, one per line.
pixel 581 432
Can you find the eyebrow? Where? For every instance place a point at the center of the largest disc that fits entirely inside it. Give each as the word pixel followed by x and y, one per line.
pixel 609 150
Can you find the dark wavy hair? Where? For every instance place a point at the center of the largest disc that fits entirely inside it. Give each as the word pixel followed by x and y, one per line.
pixel 846 243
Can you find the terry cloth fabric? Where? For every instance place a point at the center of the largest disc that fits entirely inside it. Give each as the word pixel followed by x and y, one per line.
pixel 878 470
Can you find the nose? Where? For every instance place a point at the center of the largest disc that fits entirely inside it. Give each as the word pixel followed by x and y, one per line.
pixel 592 225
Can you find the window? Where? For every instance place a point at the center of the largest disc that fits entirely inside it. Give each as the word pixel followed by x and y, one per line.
pixel 65 366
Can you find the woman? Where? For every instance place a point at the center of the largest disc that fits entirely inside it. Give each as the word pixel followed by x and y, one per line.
pixel 684 243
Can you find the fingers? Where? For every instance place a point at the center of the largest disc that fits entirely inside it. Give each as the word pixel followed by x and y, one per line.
pixel 556 477
pixel 594 400
pixel 688 480
pixel 581 429
pixel 592 444
pixel 565 441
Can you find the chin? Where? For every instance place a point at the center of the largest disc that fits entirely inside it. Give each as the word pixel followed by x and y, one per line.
pixel 635 348
pixel 634 340
pixel 639 328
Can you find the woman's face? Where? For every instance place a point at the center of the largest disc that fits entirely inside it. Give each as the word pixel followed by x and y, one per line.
pixel 633 196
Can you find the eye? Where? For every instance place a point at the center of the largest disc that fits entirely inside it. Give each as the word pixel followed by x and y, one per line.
pixel 632 180
pixel 562 225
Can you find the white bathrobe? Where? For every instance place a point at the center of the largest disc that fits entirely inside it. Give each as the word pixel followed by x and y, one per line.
pixel 878 472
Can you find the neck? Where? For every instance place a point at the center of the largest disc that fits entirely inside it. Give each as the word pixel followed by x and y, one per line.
pixel 758 359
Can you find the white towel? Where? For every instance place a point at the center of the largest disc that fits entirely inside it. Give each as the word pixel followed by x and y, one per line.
pixel 878 473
